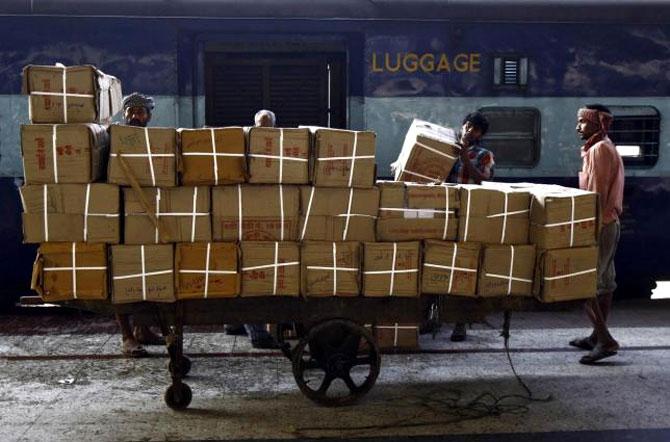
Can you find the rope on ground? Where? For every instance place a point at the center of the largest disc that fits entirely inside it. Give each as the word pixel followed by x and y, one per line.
pixel 444 407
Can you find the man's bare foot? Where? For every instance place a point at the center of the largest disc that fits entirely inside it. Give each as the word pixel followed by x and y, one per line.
pixel 133 349
pixel 586 343
pixel 145 336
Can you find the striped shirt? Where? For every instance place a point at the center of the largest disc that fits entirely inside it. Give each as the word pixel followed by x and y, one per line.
pixel 481 159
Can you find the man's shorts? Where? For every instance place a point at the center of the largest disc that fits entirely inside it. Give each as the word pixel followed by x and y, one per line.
pixel 609 239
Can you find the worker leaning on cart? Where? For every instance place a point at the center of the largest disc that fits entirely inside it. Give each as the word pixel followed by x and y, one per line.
pixel 602 172
pixel 137 112
pixel 474 165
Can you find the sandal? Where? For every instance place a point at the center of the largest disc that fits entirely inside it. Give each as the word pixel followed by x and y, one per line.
pixel 133 349
pixel 597 354
pixel 583 343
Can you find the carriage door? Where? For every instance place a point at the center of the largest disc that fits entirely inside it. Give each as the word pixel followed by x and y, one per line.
pixel 301 89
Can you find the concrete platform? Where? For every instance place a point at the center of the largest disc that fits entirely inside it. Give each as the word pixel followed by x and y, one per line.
pixel 63 379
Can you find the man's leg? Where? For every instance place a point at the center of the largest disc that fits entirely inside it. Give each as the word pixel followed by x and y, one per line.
pixel 130 346
pixel 598 309
pixel 260 338
pixel 459 333
pixel 144 335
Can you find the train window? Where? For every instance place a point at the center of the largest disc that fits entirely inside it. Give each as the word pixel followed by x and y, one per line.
pixel 510 71
pixel 636 133
pixel 513 135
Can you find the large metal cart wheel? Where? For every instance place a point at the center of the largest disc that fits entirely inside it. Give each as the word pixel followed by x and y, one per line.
pixel 181 368
pixel 178 396
pixel 337 363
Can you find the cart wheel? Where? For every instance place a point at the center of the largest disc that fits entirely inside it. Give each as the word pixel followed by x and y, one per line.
pixel 288 335
pixel 178 396
pixel 182 368
pixel 336 349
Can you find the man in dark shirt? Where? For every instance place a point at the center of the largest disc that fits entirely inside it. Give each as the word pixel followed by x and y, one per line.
pixel 474 166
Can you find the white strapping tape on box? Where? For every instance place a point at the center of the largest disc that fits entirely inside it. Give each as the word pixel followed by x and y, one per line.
pixel 282 215
pixel 510 277
pixel 504 214
pixel 452 268
pixel 572 221
pixel 63 94
pixel 149 155
pixel 570 275
pixel 352 158
pixel 433 150
pixel 446 211
pixel 393 270
pixel 396 328
pixel 74 269
pixel 334 268
pixel 274 266
pixel 347 215
pixel 158 214
pixel 214 154
pixel 207 271
pixel 281 157
pixel 87 213
pixel 144 274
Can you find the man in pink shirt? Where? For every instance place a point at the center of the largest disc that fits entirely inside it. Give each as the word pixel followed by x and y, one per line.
pixel 602 172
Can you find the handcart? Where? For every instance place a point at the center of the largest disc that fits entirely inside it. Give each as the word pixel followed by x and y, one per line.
pixel 333 343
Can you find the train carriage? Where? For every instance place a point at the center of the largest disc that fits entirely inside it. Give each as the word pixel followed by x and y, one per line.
pixel 528 65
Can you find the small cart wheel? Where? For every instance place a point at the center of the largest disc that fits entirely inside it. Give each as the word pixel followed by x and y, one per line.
pixel 178 396
pixel 181 369
pixel 336 350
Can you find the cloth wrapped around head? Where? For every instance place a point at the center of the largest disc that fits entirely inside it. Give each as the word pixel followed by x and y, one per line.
pixel 138 100
pixel 600 118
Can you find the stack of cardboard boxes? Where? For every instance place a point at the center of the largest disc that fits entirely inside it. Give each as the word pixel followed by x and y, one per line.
pixel 225 212
pixel 67 210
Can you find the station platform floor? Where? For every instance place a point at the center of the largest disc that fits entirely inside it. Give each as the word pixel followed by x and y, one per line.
pixel 62 378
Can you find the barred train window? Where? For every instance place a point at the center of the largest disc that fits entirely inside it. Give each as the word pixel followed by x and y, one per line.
pixel 636 133
pixel 513 135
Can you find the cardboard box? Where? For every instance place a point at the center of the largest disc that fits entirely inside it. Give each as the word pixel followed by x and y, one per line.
pixel 450 268
pixel 427 155
pixel 57 153
pixel 255 213
pixel 566 274
pixel 331 268
pixel 396 336
pixel 212 156
pixel 391 269
pixel 411 211
pixel 207 270
pixel 183 215
pixel 142 273
pixel 64 271
pixel 494 213
pixel 338 214
pixel 343 158
pixel 507 270
pixel 149 152
pixel 563 217
pixel 74 213
pixel 89 95
pixel 270 268
pixel 278 155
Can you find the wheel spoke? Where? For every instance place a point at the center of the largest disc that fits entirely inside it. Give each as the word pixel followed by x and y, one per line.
pixel 351 385
pixel 325 384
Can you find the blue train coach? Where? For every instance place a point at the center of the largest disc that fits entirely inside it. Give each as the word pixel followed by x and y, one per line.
pixel 377 64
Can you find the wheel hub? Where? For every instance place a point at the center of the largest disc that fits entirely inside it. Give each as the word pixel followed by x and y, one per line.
pixel 338 365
